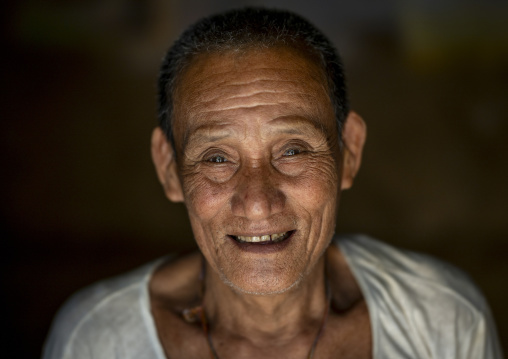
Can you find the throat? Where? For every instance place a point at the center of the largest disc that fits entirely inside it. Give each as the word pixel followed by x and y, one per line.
pixel 266 320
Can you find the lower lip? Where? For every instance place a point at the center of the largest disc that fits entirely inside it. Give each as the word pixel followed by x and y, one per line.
pixel 263 247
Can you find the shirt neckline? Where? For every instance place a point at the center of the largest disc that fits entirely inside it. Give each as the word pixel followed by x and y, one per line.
pixel 344 245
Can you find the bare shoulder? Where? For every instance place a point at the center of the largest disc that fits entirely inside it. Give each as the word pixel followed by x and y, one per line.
pixel 348 331
pixel 346 291
pixel 174 287
pixel 176 282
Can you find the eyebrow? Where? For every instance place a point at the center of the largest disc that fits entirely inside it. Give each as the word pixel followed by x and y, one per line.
pixel 292 125
pixel 297 125
pixel 208 133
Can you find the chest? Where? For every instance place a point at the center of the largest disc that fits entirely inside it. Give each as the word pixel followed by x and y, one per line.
pixel 345 336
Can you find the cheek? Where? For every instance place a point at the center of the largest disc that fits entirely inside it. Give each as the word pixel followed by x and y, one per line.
pixel 203 197
pixel 317 186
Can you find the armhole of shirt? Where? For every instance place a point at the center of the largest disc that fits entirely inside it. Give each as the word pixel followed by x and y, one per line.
pixel 146 311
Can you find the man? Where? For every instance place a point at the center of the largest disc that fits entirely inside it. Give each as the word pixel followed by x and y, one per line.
pixel 257 140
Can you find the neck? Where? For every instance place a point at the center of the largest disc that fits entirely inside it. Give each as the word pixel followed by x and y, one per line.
pixel 266 318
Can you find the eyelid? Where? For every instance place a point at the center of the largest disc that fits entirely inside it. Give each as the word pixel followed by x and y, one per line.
pixel 212 153
pixel 209 155
pixel 298 145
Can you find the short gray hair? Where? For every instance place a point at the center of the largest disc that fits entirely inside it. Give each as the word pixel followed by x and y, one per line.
pixel 244 29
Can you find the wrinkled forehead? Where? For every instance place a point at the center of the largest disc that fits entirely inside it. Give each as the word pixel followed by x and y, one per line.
pixel 212 80
pixel 284 57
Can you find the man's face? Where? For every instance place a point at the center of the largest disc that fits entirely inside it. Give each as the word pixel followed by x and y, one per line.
pixel 259 164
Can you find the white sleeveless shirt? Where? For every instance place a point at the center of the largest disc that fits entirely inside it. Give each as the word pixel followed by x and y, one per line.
pixel 419 307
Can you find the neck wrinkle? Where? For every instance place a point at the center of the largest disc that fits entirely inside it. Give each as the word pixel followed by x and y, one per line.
pixel 262 318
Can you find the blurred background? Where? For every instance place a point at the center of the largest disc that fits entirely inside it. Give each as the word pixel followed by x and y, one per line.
pixel 80 200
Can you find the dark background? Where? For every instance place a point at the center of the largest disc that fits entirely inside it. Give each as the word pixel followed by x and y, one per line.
pixel 80 200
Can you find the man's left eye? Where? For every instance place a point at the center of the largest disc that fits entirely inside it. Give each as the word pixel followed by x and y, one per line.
pixel 217 159
pixel 291 152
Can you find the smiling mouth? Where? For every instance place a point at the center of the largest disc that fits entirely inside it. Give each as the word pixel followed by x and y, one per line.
pixel 264 239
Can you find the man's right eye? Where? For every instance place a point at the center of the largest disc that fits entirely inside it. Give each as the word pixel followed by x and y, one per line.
pixel 217 159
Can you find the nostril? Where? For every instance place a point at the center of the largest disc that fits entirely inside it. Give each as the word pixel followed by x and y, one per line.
pixel 257 195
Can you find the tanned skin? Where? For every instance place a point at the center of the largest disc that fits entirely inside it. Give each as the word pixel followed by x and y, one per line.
pixel 257 153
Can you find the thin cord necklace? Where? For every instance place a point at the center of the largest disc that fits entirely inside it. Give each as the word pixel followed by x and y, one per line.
pixel 191 315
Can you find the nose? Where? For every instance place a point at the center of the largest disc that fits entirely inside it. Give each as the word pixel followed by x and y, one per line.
pixel 257 195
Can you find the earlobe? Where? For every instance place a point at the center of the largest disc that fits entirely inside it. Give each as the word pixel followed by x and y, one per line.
pixel 163 157
pixel 354 134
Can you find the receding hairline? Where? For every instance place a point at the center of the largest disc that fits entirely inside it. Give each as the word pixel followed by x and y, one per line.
pixel 250 28
pixel 301 49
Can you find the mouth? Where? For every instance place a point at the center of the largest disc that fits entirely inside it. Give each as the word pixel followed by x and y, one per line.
pixel 264 239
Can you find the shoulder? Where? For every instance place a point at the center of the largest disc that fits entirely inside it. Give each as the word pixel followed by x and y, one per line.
pixel 379 260
pixel 424 304
pixel 100 314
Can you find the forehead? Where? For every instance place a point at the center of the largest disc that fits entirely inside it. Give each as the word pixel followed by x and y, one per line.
pixel 265 84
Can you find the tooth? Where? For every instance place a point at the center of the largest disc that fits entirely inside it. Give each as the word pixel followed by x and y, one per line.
pixel 277 236
pixel 283 236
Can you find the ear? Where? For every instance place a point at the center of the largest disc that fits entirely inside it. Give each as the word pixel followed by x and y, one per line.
pixel 163 157
pixel 354 134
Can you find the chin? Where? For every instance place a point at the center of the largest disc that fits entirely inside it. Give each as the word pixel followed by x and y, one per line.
pixel 262 285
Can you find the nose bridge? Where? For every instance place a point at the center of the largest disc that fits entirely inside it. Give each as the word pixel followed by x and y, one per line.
pixel 257 194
